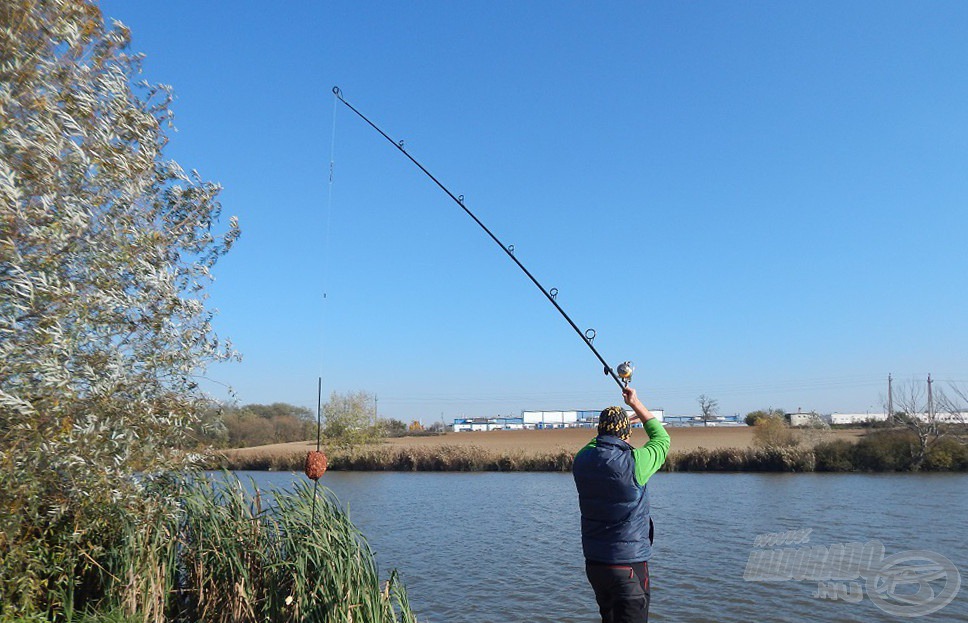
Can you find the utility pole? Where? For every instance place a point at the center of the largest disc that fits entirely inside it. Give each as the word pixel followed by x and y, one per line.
pixel 930 401
pixel 890 399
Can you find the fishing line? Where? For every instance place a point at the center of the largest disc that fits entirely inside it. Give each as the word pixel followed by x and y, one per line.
pixel 624 374
pixel 316 462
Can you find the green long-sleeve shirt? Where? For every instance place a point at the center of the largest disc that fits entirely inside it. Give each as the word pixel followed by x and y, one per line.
pixel 650 457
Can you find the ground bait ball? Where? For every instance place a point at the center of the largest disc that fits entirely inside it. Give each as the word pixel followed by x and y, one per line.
pixel 315 464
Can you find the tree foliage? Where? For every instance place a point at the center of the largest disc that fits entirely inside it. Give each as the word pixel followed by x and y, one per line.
pixel 256 425
pixel 391 427
pixel 772 431
pixel 350 418
pixel 754 416
pixel 106 247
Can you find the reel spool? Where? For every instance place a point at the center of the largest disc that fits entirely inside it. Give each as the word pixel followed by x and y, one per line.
pixel 624 372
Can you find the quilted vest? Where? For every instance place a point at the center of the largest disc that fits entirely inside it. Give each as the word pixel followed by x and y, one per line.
pixel 615 522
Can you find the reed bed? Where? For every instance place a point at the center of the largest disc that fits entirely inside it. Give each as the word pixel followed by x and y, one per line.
pixel 882 451
pixel 224 553
pixel 245 560
pixel 474 458
pixel 453 458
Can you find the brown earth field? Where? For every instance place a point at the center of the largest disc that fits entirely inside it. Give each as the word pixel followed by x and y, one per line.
pixel 684 439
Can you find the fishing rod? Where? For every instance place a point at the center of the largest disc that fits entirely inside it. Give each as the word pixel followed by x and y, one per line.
pixel 623 375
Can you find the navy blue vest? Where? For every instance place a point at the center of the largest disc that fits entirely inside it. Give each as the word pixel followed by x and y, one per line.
pixel 615 518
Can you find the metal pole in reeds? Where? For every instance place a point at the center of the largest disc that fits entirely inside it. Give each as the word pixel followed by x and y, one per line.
pixel 319 426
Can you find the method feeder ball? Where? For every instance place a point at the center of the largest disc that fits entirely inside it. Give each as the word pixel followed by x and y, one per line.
pixel 315 464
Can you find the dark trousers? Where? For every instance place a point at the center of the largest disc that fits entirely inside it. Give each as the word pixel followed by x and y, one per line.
pixel 622 591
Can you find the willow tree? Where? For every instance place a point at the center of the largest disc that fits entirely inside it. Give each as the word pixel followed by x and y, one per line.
pixel 106 247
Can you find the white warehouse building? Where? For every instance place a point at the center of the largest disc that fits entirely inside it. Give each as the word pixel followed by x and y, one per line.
pixel 574 418
pixel 570 418
pixel 856 418
pixel 860 418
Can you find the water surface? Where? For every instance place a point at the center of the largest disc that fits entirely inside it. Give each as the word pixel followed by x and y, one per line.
pixel 505 547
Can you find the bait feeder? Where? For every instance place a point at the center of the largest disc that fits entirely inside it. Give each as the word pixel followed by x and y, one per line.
pixel 315 464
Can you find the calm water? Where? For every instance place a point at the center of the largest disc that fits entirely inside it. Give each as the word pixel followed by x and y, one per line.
pixel 504 548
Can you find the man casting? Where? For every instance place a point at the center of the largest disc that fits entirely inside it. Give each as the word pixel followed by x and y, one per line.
pixel 616 530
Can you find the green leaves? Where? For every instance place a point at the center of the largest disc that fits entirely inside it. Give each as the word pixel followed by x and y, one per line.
pixel 350 419
pixel 105 250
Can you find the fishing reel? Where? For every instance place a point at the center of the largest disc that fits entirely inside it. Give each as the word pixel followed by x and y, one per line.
pixel 624 372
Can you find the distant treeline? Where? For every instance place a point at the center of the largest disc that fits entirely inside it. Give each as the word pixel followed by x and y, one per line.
pixel 245 426
pixel 880 451
pixel 240 426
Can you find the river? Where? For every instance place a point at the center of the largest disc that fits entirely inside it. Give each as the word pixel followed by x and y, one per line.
pixel 506 547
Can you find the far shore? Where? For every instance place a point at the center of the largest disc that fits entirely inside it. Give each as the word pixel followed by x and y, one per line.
pixel 538 442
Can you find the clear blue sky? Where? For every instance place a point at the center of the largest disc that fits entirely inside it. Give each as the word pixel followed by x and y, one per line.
pixel 764 202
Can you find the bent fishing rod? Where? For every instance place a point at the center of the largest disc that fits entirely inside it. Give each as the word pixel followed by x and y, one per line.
pixel 623 375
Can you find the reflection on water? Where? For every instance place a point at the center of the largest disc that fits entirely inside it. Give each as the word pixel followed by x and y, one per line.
pixel 497 548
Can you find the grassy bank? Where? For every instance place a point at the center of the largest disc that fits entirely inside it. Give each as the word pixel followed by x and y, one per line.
pixel 223 555
pixel 890 451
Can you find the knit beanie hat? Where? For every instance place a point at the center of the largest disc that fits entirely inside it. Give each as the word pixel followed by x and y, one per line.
pixel 614 421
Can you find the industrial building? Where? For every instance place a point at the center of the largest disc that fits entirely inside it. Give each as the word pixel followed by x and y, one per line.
pixel 696 420
pixel 588 418
pixel 807 420
pixel 847 418
pixel 573 418
pixel 861 418
pixel 576 418
pixel 464 425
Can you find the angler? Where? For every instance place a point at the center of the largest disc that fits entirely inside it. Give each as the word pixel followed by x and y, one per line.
pixel 616 527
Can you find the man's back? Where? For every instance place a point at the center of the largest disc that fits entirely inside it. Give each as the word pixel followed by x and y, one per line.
pixel 611 478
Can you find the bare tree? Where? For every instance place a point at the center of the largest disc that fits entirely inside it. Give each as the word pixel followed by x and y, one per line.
pixel 709 408
pixel 928 412
pixel 953 409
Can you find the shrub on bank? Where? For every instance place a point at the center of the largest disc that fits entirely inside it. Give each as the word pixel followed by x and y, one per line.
pixel 947 455
pixel 773 432
pixel 771 459
pixel 834 456
pixel 885 451
pixel 890 451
